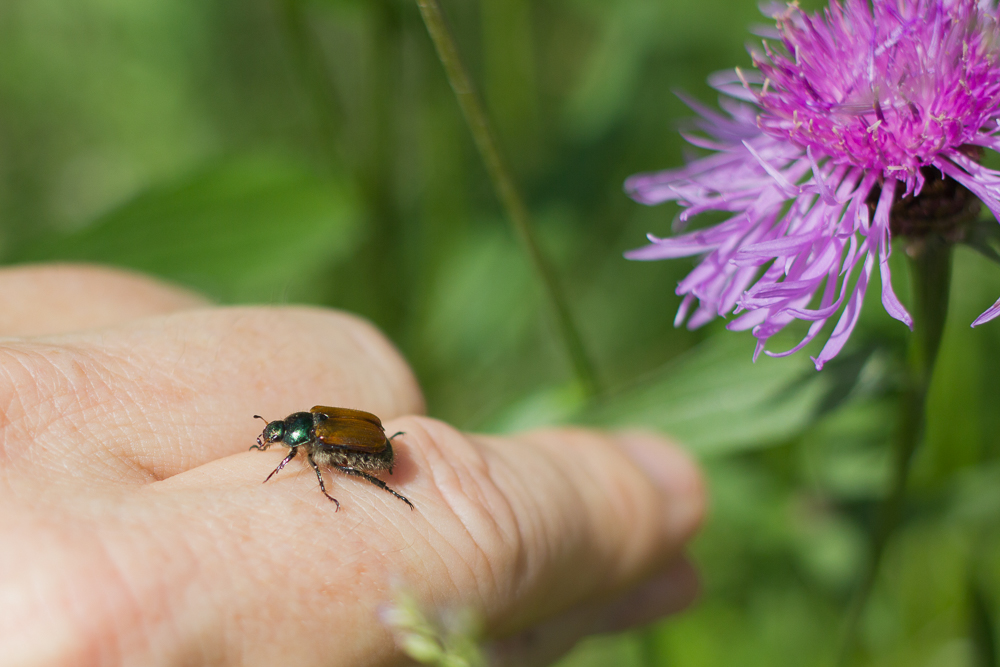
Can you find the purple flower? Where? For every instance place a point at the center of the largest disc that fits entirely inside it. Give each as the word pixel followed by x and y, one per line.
pixel 867 116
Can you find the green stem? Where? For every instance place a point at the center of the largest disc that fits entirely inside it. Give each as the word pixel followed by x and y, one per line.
pixel 930 269
pixel 506 190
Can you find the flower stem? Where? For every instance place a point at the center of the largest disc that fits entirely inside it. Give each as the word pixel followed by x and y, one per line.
pixel 930 270
pixel 506 190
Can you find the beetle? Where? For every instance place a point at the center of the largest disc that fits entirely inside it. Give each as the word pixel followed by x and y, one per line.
pixel 352 441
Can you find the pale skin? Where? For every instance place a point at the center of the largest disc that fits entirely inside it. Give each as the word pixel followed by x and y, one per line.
pixel 135 530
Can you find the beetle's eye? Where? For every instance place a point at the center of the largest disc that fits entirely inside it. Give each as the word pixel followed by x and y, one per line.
pixel 274 431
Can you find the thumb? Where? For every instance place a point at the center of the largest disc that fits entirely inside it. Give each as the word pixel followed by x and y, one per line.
pixel 549 521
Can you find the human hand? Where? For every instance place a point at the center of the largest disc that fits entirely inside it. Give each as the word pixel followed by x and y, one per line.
pixel 134 528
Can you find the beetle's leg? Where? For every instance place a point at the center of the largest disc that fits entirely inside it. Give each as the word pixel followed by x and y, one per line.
pixel 291 455
pixel 322 486
pixel 374 480
pixel 388 455
pixel 397 433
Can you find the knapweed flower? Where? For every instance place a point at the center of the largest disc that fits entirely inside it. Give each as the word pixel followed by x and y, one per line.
pixel 862 122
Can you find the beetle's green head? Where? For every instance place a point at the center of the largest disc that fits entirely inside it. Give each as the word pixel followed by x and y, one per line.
pixel 274 431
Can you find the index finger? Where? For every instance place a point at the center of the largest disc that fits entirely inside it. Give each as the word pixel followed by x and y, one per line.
pixel 159 396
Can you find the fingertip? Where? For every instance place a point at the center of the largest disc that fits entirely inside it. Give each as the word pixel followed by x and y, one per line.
pixel 675 473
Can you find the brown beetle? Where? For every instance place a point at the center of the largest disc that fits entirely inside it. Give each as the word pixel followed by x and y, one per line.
pixel 352 441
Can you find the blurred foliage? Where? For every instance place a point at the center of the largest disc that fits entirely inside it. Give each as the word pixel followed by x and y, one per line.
pixel 311 150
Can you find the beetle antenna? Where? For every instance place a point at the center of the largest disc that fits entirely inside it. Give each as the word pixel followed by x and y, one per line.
pixel 260 443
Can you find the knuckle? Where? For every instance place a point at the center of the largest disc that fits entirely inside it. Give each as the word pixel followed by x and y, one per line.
pixel 338 344
pixel 480 527
pixel 615 511
pixel 564 500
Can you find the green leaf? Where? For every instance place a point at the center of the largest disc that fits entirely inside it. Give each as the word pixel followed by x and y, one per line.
pixel 717 401
pixel 249 229
pixel 546 407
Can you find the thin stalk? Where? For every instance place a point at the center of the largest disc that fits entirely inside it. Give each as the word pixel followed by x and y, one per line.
pixel 506 190
pixel 930 270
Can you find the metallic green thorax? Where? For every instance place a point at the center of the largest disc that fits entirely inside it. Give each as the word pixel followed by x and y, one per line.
pixel 298 429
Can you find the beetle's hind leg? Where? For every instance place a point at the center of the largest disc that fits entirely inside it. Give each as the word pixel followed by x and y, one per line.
pixel 322 485
pixel 374 480
pixel 397 433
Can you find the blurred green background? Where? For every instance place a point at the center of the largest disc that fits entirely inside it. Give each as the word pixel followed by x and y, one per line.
pixel 311 151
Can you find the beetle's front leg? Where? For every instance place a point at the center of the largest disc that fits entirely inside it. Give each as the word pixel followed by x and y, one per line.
pixel 261 445
pixel 291 455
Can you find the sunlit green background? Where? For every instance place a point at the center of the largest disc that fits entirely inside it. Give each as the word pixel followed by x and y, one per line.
pixel 311 150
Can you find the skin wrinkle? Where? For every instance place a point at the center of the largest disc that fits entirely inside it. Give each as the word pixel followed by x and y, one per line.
pixel 522 571
pixel 607 537
pixel 432 539
pixel 525 524
pixel 639 500
pixel 482 528
pixel 164 598
pixel 328 553
pixel 528 582
pixel 540 536
pixel 97 571
pixel 122 415
pixel 143 405
pixel 205 559
pixel 492 526
pixel 81 391
pixel 141 604
pixel 19 386
pixel 595 536
pixel 514 533
pixel 313 503
pixel 46 382
pixel 198 628
pixel 622 546
pixel 14 404
pixel 432 536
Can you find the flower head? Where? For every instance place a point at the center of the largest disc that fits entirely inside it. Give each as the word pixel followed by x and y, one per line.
pixel 862 122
